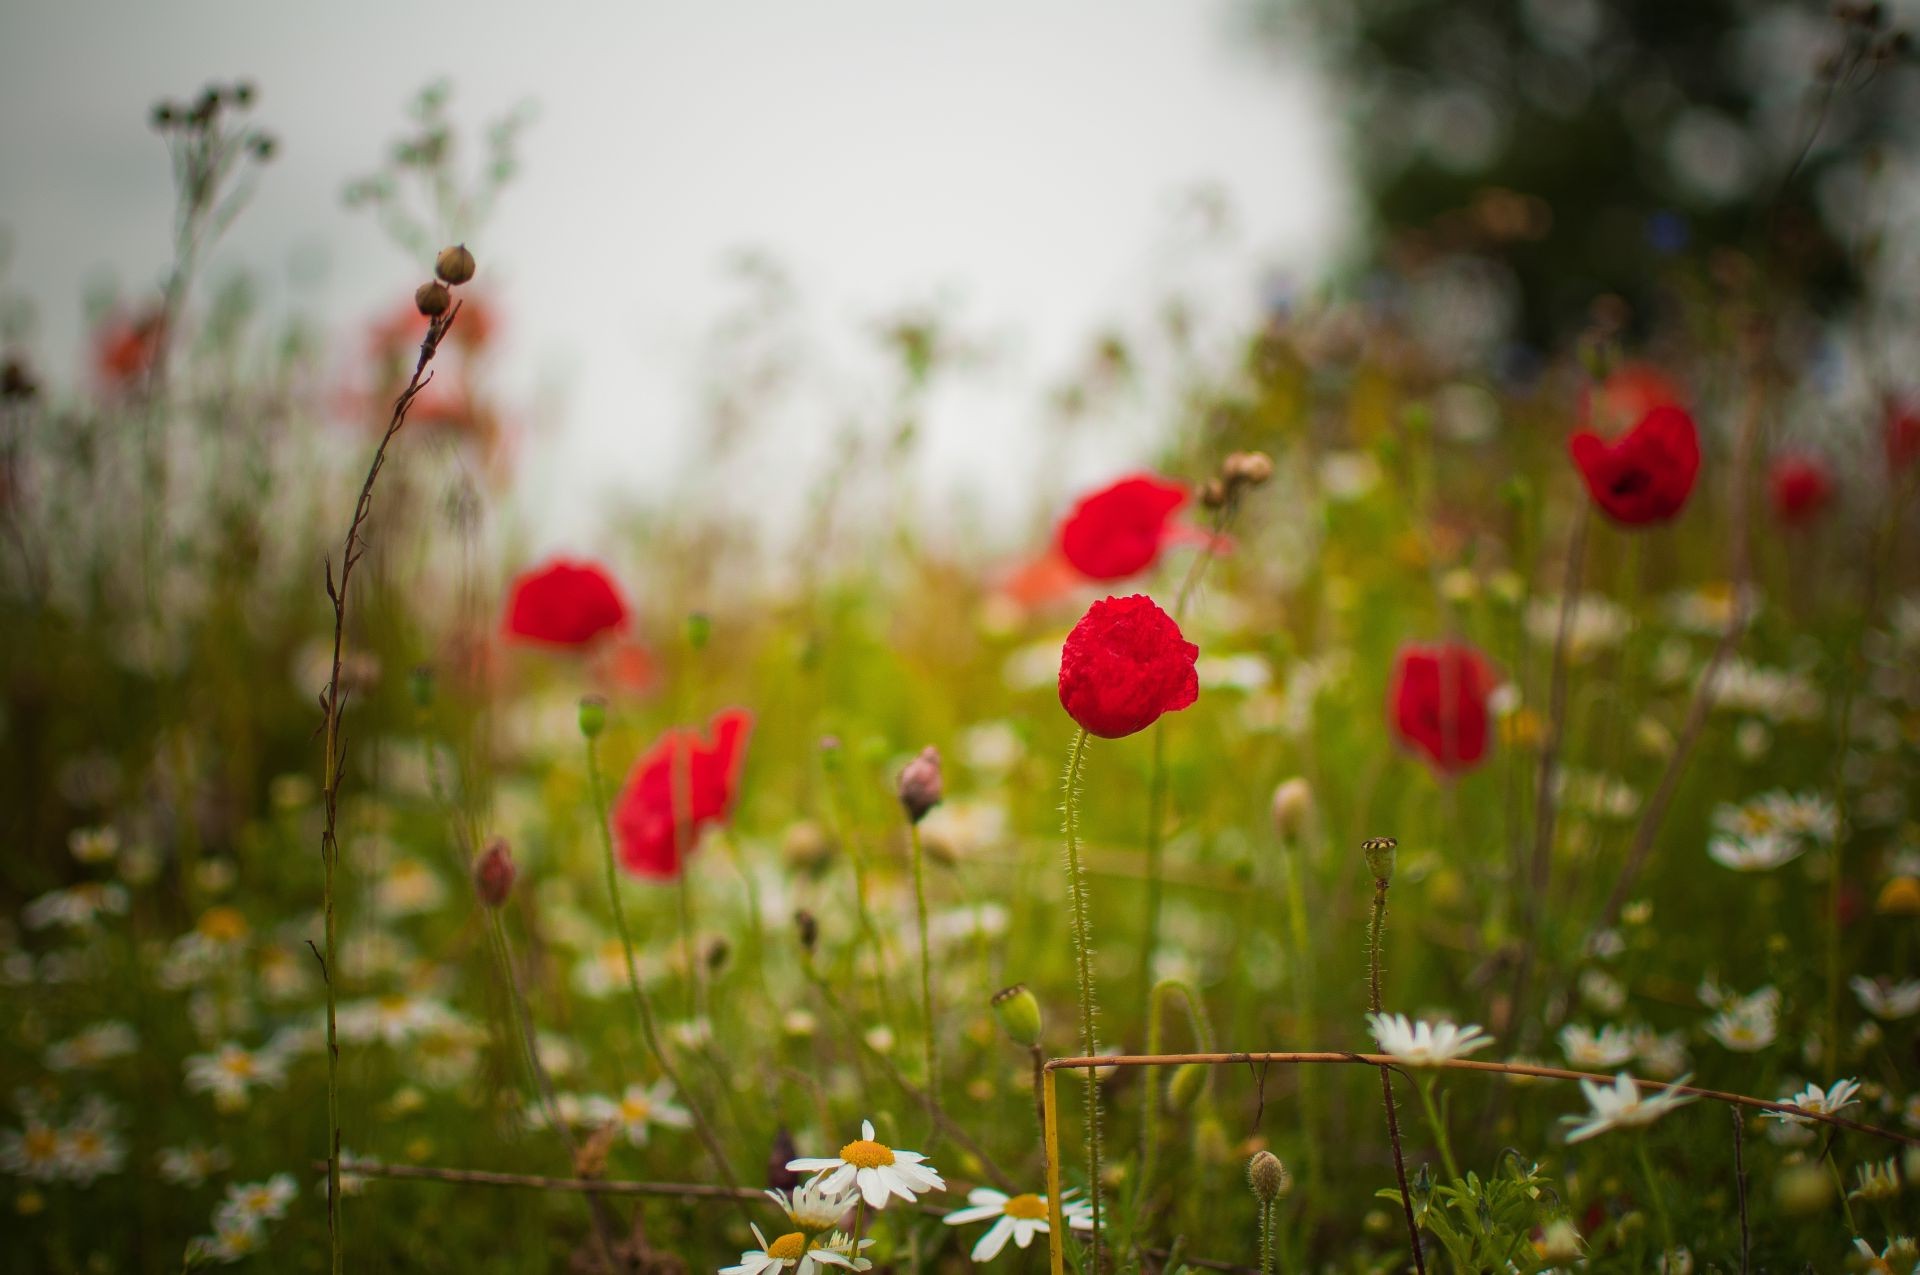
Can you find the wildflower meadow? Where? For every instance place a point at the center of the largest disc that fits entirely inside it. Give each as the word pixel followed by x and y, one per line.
pixel 1415 815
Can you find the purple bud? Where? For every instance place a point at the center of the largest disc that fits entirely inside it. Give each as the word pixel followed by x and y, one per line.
pixel 920 787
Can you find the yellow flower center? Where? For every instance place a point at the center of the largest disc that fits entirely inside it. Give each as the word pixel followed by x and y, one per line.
pixel 40 1144
pixel 866 1154
pixel 635 1109
pixel 788 1246
pixel 1027 1206
pixel 237 1064
pixel 222 925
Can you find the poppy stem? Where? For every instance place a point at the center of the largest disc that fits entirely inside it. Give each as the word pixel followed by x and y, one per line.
pixel 926 963
pixel 643 1010
pixel 1376 928
pixel 1083 956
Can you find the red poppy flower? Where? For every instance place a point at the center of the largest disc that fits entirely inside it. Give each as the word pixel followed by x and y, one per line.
pixel 1439 704
pixel 1646 475
pixel 124 349
pixel 1801 488
pixel 1123 665
pixel 564 603
pixel 1633 390
pixel 1119 529
pixel 1903 433
pixel 682 766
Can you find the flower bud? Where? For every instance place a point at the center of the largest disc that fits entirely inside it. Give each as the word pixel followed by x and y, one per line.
pixel 1189 1079
pixel 1379 852
pixel 454 265
pixel 1213 494
pixel 808 928
pixel 699 630
pixel 807 847
pixel 1268 1177
pixel 493 875
pixel 1247 469
pixel 1293 809
pixel 593 716
pixel 1019 1013
pixel 432 299
pixel 919 786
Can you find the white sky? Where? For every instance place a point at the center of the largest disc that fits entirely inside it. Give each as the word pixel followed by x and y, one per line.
pixel 1022 162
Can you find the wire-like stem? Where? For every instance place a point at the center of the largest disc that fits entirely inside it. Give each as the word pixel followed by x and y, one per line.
pixel 333 704
pixel 643 1010
pixel 1083 962
pixel 1376 929
pixel 926 963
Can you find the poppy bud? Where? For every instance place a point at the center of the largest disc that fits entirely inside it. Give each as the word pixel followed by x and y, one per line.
pixel 1292 809
pixel 593 716
pixel 809 930
pixel 1250 469
pixel 432 298
pixel 454 265
pixel 1213 494
pixel 1268 1177
pixel 1379 852
pixel 1184 1089
pixel 699 630
pixel 1019 1013
pixel 919 786
pixel 493 875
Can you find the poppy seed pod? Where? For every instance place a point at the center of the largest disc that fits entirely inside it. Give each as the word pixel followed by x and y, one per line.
pixel 1268 1177
pixel 1019 1013
pixel 454 265
pixel 494 874
pixel 1250 469
pixel 1379 852
pixel 432 299
pixel 593 716
pixel 1292 809
pixel 920 787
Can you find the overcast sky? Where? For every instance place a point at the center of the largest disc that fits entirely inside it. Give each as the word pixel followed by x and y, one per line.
pixel 1022 163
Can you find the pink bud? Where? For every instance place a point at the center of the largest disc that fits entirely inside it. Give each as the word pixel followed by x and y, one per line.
pixel 920 787
pixel 493 875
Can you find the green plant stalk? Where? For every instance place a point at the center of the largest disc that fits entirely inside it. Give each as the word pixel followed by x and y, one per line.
pixel 1083 961
pixel 1266 1237
pixel 1303 986
pixel 1659 1199
pixel 642 1009
pixel 926 963
pixel 1376 929
pixel 1439 1126
pixel 1151 1135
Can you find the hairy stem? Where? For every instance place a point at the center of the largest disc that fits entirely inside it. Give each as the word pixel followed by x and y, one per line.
pixel 1376 929
pixel 1083 962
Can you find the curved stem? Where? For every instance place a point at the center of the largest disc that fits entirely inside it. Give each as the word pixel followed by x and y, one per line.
pixel 1083 962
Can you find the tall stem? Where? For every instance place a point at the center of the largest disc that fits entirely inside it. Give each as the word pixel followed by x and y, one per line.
pixel 1376 928
pixel 1438 1126
pixel 926 963
pixel 1083 961
pixel 1659 1199
pixel 643 1010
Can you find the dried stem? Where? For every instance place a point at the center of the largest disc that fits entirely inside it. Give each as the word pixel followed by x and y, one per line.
pixel 332 703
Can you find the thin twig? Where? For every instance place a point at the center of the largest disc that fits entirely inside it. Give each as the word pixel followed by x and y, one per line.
pixel 1740 1184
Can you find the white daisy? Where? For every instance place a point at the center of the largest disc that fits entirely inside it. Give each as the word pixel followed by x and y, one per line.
pixel 1757 852
pixel 191 1165
pixel 1746 1024
pixel 1016 1217
pixel 1824 1102
pixel 880 1172
pixel 89 1145
pixel 254 1203
pixel 1606 1048
pixel 93 1047
pixel 800 1253
pixel 1884 998
pixel 812 1208
pixel 1425 1044
pixel 230 1073
pixel 1621 1105
pixel 638 1110
pixel 35 1151
pixel 76 907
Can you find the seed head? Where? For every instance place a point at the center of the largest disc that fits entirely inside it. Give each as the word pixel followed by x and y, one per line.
pixel 1379 852
pixel 920 786
pixel 432 298
pixel 593 716
pixel 1019 1013
pixel 1268 1177
pixel 1247 469
pixel 454 265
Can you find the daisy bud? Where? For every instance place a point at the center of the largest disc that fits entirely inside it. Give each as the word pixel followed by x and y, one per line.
pixel 1268 1177
pixel 1019 1013
pixel 454 265
pixel 809 930
pixel 593 716
pixel 1292 809
pixel 1188 1080
pixel 919 785
pixel 494 873
pixel 432 298
pixel 1379 852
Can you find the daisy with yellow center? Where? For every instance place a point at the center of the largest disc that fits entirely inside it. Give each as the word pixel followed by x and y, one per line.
pixel 638 1110
pixel 800 1253
pixel 1015 1217
pixel 880 1172
pixel 33 1152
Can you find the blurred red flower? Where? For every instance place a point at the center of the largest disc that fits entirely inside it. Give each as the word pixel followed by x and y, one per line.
pixel 124 347
pixel 1118 530
pixel 1646 475
pixel 564 603
pixel 1801 488
pixel 1633 390
pixel 1438 702
pixel 1124 665
pixel 1903 432
pixel 702 773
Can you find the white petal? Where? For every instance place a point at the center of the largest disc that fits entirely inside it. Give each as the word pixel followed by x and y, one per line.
pixel 872 1189
pixel 979 1213
pixel 993 1241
